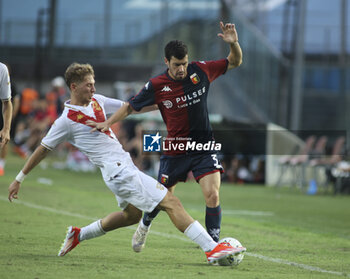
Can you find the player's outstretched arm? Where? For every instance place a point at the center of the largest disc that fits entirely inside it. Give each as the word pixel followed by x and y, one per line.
pixel 119 115
pixel 146 109
pixel 230 36
pixel 39 154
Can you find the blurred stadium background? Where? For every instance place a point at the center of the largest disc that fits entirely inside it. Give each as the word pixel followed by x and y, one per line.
pixel 280 116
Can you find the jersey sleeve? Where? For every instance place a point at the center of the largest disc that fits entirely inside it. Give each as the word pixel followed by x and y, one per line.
pixel 57 134
pixel 5 85
pixel 213 69
pixel 112 105
pixel 144 98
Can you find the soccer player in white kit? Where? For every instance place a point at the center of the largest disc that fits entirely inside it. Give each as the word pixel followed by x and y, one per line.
pixel 5 125
pixel 134 190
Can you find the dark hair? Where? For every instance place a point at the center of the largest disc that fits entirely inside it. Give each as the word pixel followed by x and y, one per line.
pixel 175 48
pixel 76 73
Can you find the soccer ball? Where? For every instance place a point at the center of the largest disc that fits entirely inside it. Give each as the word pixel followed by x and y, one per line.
pixel 231 260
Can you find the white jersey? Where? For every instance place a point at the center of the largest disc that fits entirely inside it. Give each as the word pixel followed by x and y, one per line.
pixel 5 85
pixel 102 149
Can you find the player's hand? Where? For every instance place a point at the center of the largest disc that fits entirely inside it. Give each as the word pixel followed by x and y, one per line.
pixel 13 190
pixel 101 126
pixel 229 33
pixel 5 137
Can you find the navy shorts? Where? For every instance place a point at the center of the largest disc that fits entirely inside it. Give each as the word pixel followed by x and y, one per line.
pixel 175 168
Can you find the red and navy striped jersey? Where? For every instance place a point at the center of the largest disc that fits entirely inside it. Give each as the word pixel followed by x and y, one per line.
pixel 183 103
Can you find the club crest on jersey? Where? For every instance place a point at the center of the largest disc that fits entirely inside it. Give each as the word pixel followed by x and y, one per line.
pixel 194 78
pixel 165 179
pixel 96 106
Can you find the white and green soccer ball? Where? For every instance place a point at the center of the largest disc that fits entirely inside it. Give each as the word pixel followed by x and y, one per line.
pixel 232 260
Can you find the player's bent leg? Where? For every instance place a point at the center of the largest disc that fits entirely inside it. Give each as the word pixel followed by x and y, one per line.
pixel 129 216
pixel 138 240
pixel 210 185
pixel 148 217
pixel 177 214
pixel 194 230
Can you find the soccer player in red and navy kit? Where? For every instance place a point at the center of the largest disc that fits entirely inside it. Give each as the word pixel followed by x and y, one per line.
pixel 181 93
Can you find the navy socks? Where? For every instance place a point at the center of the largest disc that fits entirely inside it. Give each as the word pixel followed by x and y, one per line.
pixel 213 222
pixel 148 217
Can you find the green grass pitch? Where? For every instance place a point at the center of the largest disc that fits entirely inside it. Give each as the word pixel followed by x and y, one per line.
pixel 288 234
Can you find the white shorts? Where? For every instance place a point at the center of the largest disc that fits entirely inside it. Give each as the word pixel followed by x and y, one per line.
pixel 134 187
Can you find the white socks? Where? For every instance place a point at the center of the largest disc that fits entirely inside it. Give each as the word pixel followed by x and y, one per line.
pixel 198 234
pixel 2 163
pixel 91 231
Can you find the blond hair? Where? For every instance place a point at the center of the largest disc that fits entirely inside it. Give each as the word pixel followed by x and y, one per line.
pixel 76 73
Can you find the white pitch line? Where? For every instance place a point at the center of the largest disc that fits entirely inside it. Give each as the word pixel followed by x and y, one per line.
pixel 248 212
pixel 303 266
pixel 239 212
pixel 265 258
pixel 49 209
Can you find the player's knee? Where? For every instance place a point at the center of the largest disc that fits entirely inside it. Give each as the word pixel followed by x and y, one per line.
pixel 212 198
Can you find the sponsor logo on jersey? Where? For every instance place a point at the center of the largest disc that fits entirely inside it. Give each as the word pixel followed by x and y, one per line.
pixel 195 78
pixel 151 142
pixel 168 104
pixel 166 89
pixel 190 97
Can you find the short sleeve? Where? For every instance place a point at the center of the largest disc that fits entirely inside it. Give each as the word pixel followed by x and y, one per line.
pixel 144 98
pixel 5 84
pixel 213 69
pixel 57 134
pixel 110 105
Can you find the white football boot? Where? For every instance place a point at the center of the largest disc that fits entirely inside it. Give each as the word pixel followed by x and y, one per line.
pixel 139 238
